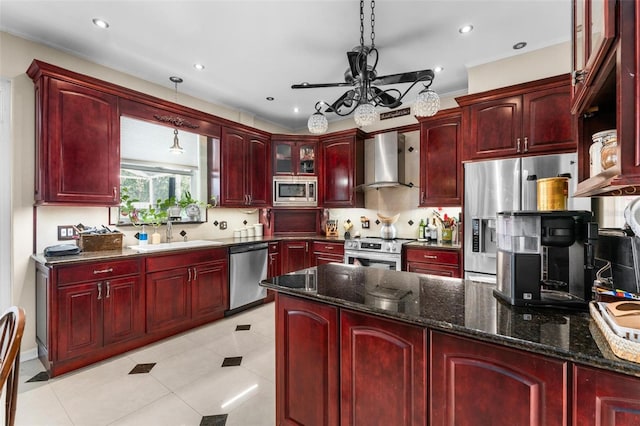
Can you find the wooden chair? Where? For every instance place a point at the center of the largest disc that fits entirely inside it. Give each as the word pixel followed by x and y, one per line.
pixel 11 329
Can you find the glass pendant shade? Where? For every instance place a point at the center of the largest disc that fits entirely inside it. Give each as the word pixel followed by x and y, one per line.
pixel 176 148
pixel 365 115
pixel 427 103
pixel 317 123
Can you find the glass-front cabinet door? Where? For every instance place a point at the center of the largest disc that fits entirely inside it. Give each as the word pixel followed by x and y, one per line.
pixel 593 32
pixel 294 157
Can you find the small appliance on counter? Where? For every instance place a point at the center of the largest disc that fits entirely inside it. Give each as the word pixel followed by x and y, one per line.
pixel 618 260
pixel 546 258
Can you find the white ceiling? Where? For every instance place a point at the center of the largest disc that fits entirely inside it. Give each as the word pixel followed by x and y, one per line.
pixel 255 49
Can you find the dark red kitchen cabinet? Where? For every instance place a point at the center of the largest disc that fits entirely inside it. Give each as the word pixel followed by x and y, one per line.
pixel 294 155
pixel 326 252
pixel 432 261
pixel 295 255
pixel 168 299
pixel 99 305
pixel 209 290
pixel 525 119
pixel 342 169
pixel 474 383
pixel 273 267
pixel 307 370
pixel 383 374
pixel 79 320
pixel 441 159
pixel 245 175
pixel 77 141
pixel 604 398
pixel 187 289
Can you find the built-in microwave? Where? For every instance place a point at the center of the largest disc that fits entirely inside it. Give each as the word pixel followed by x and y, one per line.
pixel 295 191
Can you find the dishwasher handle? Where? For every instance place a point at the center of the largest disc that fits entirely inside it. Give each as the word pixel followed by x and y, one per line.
pixel 248 247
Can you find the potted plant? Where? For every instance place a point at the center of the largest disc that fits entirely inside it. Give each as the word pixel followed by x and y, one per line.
pixel 191 206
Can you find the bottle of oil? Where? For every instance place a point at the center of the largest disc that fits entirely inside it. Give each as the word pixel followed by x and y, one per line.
pixel 421 230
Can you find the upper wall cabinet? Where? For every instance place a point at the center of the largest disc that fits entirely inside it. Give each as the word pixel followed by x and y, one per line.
pixel 294 155
pixel 440 159
pixel 342 169
pixel 77 141
pixel 607 97
pixel 594 31
pixel 525 119
pixel 246 178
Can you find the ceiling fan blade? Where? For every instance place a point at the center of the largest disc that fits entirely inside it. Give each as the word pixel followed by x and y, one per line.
pixel 345 100
pixel 385 99
pixel 318 85
pixel 353 62
pixel 404 77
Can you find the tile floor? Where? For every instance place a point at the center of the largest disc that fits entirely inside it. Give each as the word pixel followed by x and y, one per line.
pixel 222 374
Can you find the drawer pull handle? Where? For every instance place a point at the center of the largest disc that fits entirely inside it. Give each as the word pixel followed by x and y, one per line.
pixel 189 279
pixel 195 274
pixel 328 247
pixel 108 289
pixel 426 256
pixel 102 271
pixel 99 291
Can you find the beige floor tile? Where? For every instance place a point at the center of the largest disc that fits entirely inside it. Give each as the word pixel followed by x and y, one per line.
pixel 40 406
pixel 262 361
pixel 238 343
pixel 182 369
pixel 260 410
pixel 166 411
pixel 161 350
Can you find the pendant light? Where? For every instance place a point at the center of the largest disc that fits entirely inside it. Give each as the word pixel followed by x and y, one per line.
pixel 176 148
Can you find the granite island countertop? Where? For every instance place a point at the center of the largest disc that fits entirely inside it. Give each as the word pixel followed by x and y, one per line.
pixel 463 307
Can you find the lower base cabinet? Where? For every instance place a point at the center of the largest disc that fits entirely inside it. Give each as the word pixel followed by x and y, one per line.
pixel 445 263
pixel 378 378
pixel 383 376
pixel 476 383
pixel 307 376
pixel 339 367
pixel 604 399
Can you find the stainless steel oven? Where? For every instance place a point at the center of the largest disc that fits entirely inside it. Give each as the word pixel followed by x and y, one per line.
pixel 374 253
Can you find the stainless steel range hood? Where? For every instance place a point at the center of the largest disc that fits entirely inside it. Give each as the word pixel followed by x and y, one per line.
pixel 384 161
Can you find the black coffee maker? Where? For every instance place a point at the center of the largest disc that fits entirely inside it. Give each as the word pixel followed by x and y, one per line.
pixel 546 258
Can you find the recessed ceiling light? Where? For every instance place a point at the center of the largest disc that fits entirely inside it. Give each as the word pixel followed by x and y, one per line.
pixel 270 98
pixel 438 69
pixel 296 110
pixel 100 23
pixel 465 29
pixel 199 67
pixel 519 45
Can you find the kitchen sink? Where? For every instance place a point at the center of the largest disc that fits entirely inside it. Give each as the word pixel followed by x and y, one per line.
pixel 177 245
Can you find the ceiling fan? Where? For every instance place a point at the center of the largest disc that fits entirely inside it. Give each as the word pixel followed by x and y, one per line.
pixel 364 95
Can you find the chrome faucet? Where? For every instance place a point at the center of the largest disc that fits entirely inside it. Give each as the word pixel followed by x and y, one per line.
pixel 169 231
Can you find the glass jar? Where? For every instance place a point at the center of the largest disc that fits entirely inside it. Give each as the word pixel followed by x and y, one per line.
pixel 609 152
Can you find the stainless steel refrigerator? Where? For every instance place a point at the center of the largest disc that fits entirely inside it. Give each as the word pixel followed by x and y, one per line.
pixel 503 185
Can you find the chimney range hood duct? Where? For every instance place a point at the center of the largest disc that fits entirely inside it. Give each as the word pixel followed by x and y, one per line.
pixel 384 161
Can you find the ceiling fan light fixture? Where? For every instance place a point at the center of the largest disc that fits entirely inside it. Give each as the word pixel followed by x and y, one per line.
pixel 427 103
pixel 317 123
pixel 364 115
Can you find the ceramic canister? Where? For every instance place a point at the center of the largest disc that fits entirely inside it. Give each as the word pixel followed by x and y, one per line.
pixel 259 229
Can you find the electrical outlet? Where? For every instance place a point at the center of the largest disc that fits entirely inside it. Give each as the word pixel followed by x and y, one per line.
pixel 67 232
pixel 223 225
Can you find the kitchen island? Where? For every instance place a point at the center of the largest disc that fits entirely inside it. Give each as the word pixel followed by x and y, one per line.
pixel 361 345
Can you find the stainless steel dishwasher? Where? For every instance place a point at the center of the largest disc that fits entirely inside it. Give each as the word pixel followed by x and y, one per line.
pixel 247 267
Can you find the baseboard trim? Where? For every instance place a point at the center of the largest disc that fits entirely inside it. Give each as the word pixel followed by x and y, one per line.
pixel 29 355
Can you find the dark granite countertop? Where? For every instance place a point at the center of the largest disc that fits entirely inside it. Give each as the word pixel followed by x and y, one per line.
pixel 127 252
pixel 463 307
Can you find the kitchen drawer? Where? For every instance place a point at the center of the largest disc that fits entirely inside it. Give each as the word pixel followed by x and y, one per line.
pixel 97 271
pixel 326 247
pixel 450 257
pixel 185 259
pixel 274 247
